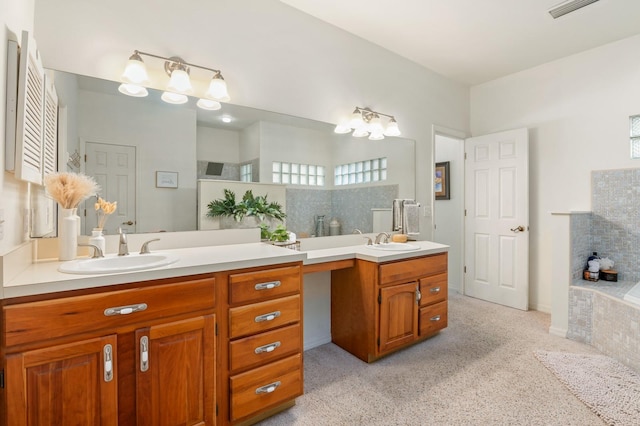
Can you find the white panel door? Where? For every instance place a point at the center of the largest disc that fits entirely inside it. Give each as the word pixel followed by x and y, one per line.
pixel 114 168
pixel 497 218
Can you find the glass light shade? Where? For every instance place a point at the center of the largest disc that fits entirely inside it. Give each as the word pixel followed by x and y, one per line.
pixel 135 71
pixel 174 98
pixel 375 125
pixel 392 129
pixel 361 132
pixel 376 136
pixel 133 90
pixel 208 104
pixel 356 120
pixel 342 128
pixel 218 89
pixel 179 82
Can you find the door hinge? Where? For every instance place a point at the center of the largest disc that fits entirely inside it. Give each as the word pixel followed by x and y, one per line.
pixel 465 212
pixel 216 329
pixel 465 155
pixel 85 158
pixel 378 341
pixel 465 269
pixel 379 299
pixel 216 409
pixel 2 379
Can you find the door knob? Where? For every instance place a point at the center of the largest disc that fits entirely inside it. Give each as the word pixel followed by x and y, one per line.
pixel 518 229
pixel 131 223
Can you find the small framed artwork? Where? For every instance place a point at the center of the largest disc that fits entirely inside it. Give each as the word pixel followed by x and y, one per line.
pixel 166 179
pixel 441 180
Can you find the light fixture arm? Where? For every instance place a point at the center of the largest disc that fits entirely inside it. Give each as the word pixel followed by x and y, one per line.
pixel 368 114
pixel 178 61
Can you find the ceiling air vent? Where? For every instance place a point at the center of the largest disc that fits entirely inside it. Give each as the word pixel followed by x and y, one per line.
pixel 568 7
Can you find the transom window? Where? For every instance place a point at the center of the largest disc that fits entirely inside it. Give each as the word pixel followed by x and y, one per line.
pixel 298 174
pixel 361 172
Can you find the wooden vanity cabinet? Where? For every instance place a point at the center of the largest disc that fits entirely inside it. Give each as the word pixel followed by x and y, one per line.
pixel 377 308
pixel 264 334
pixel 145 355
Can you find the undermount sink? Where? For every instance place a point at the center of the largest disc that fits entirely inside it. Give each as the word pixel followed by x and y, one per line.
pixel 113 263
pixel 393 246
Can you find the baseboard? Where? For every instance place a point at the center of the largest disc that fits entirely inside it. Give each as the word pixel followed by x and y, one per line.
pixel 560 332
pixel 318 341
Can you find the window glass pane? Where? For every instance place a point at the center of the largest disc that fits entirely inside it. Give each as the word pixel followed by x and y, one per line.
pixel 345 169
pixel 383 163
pixel 359 166
pixel 294 168
pixel 375 176
pixel 303 179
pixel 635 147
pixel 383 174
pixel 359 177
pixel 295 179
pixel 285 167
pixel 320 170
pixel 285 178
pixel 367 176
pixel 303 169
pixel 320 180
pixel 312 169
pixel 352 167
pixel 635 125
pixel 312 180
pixel 276 178
pixel 276 166
pixel 375 164
pixel 367 165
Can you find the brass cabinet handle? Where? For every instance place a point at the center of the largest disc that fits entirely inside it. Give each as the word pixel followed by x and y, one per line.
pixel 144 353
pixel 435 318
pixel 267 286
pixel 267 317
pixel 125 310
pixel 268 388
pixel 267 348
pixel 107 352
pixel 435 290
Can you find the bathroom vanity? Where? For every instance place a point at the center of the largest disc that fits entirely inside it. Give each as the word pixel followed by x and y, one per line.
pixel 214 338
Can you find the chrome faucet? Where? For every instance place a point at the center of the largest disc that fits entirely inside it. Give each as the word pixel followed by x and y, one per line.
pixel 382 235
pixel 123 248
pixel 97 251
pixel 145 246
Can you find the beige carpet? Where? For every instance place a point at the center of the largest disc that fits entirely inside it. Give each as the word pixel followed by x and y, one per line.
pixel 479 371
pixel 609 388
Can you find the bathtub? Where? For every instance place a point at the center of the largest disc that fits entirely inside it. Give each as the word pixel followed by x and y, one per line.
pixel 633 295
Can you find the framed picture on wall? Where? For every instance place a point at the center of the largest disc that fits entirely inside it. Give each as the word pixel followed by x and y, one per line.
pixel 441 179
pixel 166 179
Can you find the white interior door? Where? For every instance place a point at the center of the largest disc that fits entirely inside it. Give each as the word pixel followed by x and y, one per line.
pixel 114 168
pixel 497 218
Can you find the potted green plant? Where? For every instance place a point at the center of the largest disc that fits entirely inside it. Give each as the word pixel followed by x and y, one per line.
pixel 248 212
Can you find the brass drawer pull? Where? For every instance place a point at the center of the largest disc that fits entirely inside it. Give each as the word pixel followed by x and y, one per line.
pixel 125 310
pixel 435 290
pixel 434 319
pixel 267 286
pixel 267 317
pixel 268 388
pixel 267 348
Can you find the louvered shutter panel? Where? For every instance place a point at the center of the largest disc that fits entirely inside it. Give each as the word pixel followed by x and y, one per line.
pixel 50 132
pixel 29 142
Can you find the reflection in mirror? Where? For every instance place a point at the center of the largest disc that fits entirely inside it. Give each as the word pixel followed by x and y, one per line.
pixel 130 145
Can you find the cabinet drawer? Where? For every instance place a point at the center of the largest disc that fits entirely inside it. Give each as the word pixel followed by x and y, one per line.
pixel 433 289
pixel 265 347
pixel 254 286
pixel 265 387
pixel 263 316
pixel 48 319
pixel 433 318
pixel 407 270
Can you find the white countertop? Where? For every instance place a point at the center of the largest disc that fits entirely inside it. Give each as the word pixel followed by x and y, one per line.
pixel 44 277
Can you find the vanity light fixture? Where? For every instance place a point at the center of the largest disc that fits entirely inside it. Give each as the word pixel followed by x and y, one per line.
pixel 365 122
pixel 135 78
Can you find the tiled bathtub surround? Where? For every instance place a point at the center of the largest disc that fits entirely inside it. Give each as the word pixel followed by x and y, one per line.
pixel 615 231
pixel 581 244
pixel 351 206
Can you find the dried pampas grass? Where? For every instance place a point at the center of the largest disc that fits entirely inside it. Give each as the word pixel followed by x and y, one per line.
pixel 70 189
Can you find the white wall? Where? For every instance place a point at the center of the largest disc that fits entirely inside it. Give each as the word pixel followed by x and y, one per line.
pixel 218 145
pixel 577 109
pixel 449 214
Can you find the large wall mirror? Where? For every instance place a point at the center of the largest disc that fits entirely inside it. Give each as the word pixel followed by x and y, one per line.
pixel 149 156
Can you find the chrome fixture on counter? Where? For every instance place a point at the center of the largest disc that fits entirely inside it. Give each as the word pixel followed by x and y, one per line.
pixel 135 78
pixel 365 122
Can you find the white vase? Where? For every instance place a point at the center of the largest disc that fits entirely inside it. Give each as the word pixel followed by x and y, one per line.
pixel 97 239
pixel 68 235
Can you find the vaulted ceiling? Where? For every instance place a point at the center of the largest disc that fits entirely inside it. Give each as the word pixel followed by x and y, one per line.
pixel 475 41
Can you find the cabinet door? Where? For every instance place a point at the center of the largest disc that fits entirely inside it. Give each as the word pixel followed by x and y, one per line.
pixel 70 384
pixel 398 315
pixel 175 379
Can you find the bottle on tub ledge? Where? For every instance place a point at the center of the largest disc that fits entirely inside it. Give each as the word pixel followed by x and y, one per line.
pixel 592 269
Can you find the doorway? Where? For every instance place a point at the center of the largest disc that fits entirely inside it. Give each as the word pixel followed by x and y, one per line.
pixel 449 213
